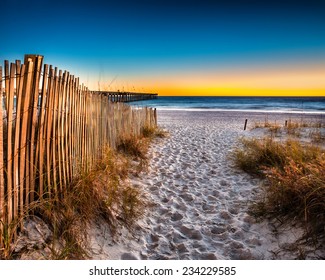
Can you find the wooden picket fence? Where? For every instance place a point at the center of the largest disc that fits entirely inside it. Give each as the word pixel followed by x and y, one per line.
pixel 51 129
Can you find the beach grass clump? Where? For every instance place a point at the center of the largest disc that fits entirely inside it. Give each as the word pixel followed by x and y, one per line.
pixel 273 128
pixel 102 193
pixel 317 136
pixel 293 128
pixel 121 198
pixel 152 132
pixel 132 204
pixel 160 133
pixel 298 191
pixel 69 216
pixel 66 220
pixel 148 131
pixel 7 237
pixel 137 146
pixel 133 146
pixel 67 240
pixel 257 156
pixel 294 180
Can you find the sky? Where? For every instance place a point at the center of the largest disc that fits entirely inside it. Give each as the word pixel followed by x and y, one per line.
pixel 175 47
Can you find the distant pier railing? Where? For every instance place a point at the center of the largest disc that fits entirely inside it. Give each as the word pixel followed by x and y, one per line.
pixel 125 96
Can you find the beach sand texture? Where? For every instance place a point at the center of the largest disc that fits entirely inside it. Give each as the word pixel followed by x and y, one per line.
pixel 198 199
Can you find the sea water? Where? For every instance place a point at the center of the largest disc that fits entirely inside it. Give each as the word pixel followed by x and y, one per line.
pixel 313 105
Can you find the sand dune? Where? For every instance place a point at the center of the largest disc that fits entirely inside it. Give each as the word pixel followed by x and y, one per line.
pixel 199 201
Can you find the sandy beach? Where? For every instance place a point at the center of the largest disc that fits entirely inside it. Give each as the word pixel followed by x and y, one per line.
pixel 198 199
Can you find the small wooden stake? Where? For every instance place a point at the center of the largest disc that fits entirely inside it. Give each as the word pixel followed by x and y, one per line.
pixel 245 124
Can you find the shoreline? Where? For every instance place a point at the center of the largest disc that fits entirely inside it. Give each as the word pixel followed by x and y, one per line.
pixel 248 111
pixel 316 114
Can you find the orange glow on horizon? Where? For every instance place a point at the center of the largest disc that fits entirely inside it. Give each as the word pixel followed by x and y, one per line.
pixel 239 92
pixel 285 80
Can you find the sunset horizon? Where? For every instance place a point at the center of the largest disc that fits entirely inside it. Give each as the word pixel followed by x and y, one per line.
pixel 236 48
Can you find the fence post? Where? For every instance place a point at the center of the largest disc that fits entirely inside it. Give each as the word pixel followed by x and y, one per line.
pixel 24 157
pixel 245 124
pixel 19 84
pixel 10 103
pixel 155 115
pixel 18 183
pixel 48 128
pixel 33 118
pixel 2 186
pixel 6 84
pixel 40 159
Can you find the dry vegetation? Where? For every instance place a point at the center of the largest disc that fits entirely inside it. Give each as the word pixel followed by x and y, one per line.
pixel 293 179
pixel 294 129
pixel 103 192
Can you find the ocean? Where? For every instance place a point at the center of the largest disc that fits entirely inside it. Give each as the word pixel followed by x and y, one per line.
pixel 312 105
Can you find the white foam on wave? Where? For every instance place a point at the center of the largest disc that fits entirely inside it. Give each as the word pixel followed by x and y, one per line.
pixel 289 111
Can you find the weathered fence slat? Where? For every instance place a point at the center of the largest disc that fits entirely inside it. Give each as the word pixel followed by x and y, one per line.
pixel 60 132
pixel 52 128
pixel 48 128
pixel 18 185
pixel 41 133
pixel 37 60
pixel 54 131
pixel 6 83
pixel 2 184
pixel 10 98
pixel 24 156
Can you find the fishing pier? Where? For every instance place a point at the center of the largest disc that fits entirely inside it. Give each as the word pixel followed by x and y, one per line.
pixel 125 96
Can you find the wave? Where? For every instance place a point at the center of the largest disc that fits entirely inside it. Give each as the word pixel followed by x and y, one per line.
pixel 313 112
pixel 305 105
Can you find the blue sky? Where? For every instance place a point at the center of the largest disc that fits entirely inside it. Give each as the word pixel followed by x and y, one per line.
pixel 136 41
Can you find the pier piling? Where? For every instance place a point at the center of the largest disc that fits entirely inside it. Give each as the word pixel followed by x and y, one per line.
pixel 125 96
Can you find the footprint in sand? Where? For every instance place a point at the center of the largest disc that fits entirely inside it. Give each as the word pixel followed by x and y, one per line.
pixel 128 256
pixel 218 230
pixel 187 197
pixel 191 233
pixel 224 183
pixel 181 248
pixel 225 215
pixel 176 217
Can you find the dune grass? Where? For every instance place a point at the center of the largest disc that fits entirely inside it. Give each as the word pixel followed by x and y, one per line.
pixel 294 181
pixel 102 193
pixel 136 148
pixel 257 156
pixel 294 128
pixel 154 132
pixel 273 128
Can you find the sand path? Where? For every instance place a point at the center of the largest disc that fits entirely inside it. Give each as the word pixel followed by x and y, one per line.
pixel 199 200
